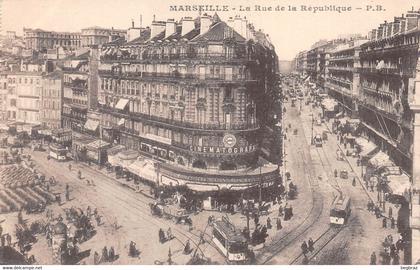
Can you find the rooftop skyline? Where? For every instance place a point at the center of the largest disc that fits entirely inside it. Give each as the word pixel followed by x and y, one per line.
pixel 289 31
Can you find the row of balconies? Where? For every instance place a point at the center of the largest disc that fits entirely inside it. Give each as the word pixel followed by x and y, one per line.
pixel 341 68
pixel 347 82
pixel 178 56
pixel 177 75
pixel 181 124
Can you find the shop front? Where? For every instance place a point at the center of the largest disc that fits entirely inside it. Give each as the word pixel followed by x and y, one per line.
pixel 96 151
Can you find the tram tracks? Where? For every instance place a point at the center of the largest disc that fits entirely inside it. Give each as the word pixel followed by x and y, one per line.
pixel 311 218
pixel 107 189
pixel 320 243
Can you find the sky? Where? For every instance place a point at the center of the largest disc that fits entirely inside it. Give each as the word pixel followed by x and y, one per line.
pixel 289 31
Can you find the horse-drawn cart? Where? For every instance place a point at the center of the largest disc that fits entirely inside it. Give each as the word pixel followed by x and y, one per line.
pixel 170 212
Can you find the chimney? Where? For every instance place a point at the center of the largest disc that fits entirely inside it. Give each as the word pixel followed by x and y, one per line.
pixel 187 25
pixel 412 20
pixel 230 22
pixel 244 27
pixel 170 27
pixel 205 22
pixel 157 28
pixel 237 24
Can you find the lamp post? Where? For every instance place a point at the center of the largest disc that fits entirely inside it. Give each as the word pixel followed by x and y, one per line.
pixel 312 129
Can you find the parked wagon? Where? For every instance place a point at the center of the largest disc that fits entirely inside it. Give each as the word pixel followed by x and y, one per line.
pixel 170 212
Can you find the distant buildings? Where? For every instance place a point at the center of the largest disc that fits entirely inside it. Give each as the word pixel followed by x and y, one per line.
pixel 378 80
pixel 40 40
pixel 97 36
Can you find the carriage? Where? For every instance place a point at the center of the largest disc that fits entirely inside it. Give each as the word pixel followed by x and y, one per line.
pixel 170 212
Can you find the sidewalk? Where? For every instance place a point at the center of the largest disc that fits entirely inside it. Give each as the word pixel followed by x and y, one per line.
pixel 139 188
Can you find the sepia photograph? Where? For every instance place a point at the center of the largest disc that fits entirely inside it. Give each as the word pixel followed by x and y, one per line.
pixel 199 132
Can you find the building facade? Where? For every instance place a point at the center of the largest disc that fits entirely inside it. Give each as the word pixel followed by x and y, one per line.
pixel 40 40
pixel 194 95
pixel 75 93
pixel 3 96
pixel 342 74
pixel 97 36
pixel 51 100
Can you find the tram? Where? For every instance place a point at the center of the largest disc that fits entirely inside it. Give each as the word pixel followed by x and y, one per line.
pixel 57 152
pixel 318 140
pixel 340 210
pixel 229 241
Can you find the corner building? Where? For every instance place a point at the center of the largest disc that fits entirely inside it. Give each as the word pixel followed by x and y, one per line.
pixel 195 96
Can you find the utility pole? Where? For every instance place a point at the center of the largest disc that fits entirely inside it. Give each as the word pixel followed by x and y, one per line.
pixel 312 129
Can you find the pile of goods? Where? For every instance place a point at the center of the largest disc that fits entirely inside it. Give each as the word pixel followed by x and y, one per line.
pixel 21 188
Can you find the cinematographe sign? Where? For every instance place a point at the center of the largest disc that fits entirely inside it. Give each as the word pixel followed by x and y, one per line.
pixel 223 150
pixel 229 140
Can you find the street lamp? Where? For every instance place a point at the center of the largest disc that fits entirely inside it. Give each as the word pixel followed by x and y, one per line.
pixel 312 129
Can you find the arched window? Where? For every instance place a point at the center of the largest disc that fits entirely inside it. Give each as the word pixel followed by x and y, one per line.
pixel 199 164
pixel 227 165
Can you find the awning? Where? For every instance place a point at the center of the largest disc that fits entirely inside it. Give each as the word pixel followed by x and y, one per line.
pixel 144 169
pixel 329 104
pixel 98 144
pixel 367 147
pixel 115 149
pixel 399 184
pixel 121 104
pixel 380 159
pixel 91 125
pixel 128 154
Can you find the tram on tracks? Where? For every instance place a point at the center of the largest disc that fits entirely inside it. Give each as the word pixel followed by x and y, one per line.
pixel 340 210
pixel 229 241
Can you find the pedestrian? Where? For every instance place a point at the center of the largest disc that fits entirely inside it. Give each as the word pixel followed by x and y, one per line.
pixel 279 227
pixel 281 210
pixel 390 212
pixel 384 222
pixel 373 258
pixel 132 250
pixel 95 212
pixel 392 223
pixel 88 211
pixel 58 198
pixel 111 254
pixel 392 249
pixel 354 182
pixel 256 220
pixel 187 248
pixel 335 173
pixel 96 258
pixel 104 254
pixel 304 248
pixel 9 239
pixel 305 260
pixel 396 259
pixel 161 236
pixel 268 223
pixel 169 234
pixel 69 166
pixel 98 220
pixel 310 245
pixel 20 218
pixel 67 195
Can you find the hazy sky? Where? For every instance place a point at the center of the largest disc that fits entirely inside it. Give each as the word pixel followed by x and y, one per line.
pixel 290 31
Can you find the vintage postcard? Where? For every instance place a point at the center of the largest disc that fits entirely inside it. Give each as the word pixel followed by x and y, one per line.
pixel 198 132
